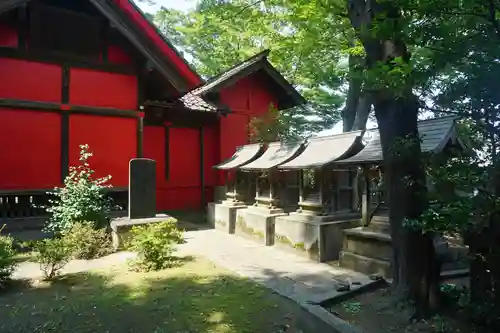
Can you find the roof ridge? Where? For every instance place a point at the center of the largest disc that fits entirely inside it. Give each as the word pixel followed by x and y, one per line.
pixel 264 54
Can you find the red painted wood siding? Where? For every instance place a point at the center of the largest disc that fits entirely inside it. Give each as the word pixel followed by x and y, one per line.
pixel 8 36
pixel 27 80
pixel 112 141
pixel 30 144
pixel 102 89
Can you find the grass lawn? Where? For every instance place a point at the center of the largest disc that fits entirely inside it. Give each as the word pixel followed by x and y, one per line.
pixel 196 297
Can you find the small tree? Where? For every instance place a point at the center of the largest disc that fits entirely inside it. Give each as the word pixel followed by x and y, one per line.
pixel 81 199
pixel 271 126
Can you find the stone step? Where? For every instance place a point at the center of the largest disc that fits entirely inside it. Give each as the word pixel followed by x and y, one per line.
pixel 365 265
pixel 380 218
pixel 380 227
pixel 368 243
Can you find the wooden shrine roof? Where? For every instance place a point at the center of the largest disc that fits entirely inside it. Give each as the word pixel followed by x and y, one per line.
pixel 243 155
pixel 435 134
pixel 276 154
pixel 321 151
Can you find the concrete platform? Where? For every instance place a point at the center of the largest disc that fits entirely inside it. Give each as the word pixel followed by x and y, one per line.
pixel 318 238
pixel 257 223
pixel 222 216
pixel 120 227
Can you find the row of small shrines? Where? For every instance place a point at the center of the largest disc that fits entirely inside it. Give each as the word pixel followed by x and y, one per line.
pixel 304 195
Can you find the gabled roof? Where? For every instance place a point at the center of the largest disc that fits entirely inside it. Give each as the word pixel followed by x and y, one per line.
pixel 243 155
pixel 435 134
pixel 289 96
pixel 127 18
pixel 276 154
pixel 321 151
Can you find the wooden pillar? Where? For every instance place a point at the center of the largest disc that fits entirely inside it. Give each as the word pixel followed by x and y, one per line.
pixel 365 197
pixel 320 181
pixel 301 185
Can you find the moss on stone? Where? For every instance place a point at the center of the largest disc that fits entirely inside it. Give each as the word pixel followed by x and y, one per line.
pixel 287 241
pixel 221 223
pixel 248 230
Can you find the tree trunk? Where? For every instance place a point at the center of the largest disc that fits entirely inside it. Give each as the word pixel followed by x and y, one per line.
pixel 362 112
pixel 353 95
pixel 415 266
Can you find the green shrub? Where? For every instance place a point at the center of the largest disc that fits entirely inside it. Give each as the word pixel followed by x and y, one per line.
pixel 154 244
pixel 7 253
pixel 52 255
pixel 87 242
pixel 81 199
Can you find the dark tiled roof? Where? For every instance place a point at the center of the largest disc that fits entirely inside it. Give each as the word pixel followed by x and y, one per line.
pixel 321 151
pixel 243 155
pixel 435 134
pixel 194 102
pixel 276 154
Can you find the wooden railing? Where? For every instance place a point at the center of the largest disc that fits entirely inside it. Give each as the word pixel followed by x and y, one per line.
pixel 19 204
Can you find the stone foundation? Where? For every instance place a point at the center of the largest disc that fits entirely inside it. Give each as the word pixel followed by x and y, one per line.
pixel 318 238
pixel 222 216
pixel 120 228
pixel 257 223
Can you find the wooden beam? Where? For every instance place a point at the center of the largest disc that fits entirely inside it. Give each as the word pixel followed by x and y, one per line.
pixel 202 166
pixel 61 107
pixel 54 57
pixel 64 145
pixel 65 84
pixel 167 152
pixel 140 137
pixel 365 197
pixel 22 27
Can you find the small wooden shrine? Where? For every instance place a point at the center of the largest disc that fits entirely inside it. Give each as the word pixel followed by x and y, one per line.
pixel 240 187
pixel 274 187
pixel 368 248
pixel 325 188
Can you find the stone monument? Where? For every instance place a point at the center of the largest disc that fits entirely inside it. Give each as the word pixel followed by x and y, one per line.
pixel 141 200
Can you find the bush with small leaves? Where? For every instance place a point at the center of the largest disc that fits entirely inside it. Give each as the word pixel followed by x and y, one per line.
pixel 7 253
pixel 154 244
pixel 82 198
pixel 52 255
pixel 87 242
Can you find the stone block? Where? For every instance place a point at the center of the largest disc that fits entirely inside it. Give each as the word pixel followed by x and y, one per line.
pixel 368 243
pixel 257 223
pixel 316 237
pixel 222 216
pixel 120 228
pixel 365 265
pixel 142 188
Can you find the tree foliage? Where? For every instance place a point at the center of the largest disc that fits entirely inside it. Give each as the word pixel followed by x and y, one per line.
pixel 218 34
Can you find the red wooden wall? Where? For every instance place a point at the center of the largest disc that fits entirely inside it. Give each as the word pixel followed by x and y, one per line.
pixel 30 140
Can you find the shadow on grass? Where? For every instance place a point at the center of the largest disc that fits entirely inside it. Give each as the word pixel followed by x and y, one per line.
pixel 196 297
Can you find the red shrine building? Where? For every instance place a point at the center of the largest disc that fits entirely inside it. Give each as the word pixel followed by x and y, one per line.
pixel 97 72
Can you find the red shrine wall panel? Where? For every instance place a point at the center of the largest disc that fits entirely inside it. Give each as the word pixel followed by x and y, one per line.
pixel 211 154
pixel 182 188
pixel 117 56
pixel 26 80
pixel 233 133
pixel 154 148
pixel 184 157
pixel 248 95
pixel 8 36
pixel 30 148
pixel 112 140
pixel 102 89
